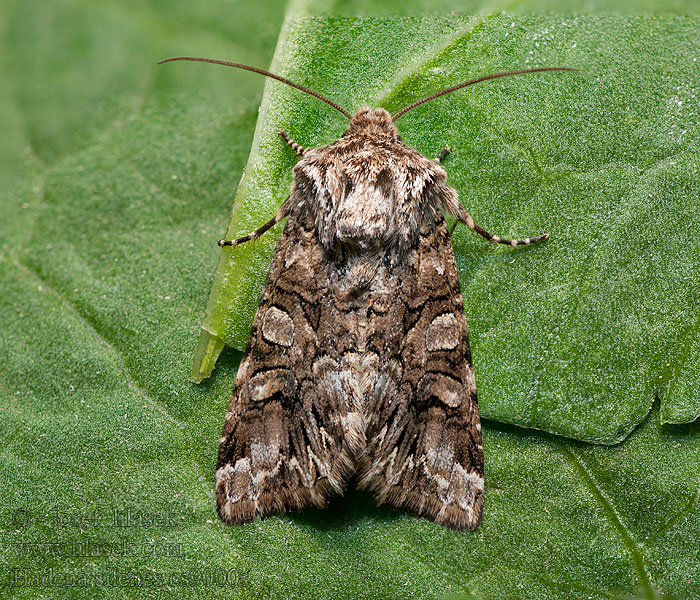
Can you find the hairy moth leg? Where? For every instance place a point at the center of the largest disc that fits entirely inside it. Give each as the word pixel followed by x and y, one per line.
pixel 443 153
pixel 464 217
pixel 281 214
pixel 298 148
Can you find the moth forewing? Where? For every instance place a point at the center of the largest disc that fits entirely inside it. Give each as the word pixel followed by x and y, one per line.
pixel 358 361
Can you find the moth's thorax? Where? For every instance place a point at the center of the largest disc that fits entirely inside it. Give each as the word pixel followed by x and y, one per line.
pixel 368 186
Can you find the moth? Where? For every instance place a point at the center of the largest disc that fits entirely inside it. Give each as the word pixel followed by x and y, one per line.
pixel 358 362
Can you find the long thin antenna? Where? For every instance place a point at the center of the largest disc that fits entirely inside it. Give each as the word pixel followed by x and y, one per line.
pixel 262 72
pixel 473 81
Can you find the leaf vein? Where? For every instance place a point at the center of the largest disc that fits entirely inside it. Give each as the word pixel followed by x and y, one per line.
pixel 609 511
pixel 678 516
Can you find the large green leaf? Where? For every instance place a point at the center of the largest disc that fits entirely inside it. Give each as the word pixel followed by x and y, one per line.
pixel 576 336
pixel 393 8
pixel 108 451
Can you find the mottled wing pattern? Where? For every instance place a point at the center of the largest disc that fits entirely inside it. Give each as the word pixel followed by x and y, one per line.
pixel 424 452
pixel 359 355
pixel 290 435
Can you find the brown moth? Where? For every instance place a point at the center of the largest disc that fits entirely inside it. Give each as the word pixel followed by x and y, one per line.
pixel 358 361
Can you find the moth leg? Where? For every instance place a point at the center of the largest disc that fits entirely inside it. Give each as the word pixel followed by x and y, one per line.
pixel 443 153
pixel 300 150
pixel 464 217
pixel 439 158
pixel 281 214
pixel 454 226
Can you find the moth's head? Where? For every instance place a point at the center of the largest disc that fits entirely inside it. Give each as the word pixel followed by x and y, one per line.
pixel 369 121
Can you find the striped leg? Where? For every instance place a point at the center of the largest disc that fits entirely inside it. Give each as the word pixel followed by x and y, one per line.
pixel 281 214
pixel 443 153
pixel 464 217
pixel 439 158
pixel 292 144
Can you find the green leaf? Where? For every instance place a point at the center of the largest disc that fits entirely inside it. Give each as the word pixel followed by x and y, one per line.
pixel 107 451
pixel 576 336
pixel 393 8
pixel 94 65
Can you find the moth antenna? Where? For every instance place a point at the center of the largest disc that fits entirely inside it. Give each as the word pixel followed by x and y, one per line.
pixel 262 72
pixel 454 88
